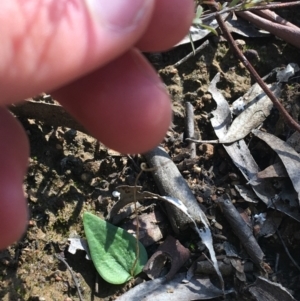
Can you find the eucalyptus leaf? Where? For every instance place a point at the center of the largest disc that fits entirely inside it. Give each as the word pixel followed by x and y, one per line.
pixel 113 250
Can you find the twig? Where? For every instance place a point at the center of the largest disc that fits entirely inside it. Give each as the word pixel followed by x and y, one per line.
pixel 239 7
pixel 143 168
pixel 203 141
pixel 170 182
pixel 72 274
pixel 202 46
pixel 242 231
pixel 289 120
pixel 190 128
pixel 288 31
pixel 273 6
pixel 272 16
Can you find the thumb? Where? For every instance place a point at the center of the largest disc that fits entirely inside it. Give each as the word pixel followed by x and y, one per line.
pixel 54 42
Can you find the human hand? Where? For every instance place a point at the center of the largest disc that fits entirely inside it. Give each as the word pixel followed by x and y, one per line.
pixel 86 52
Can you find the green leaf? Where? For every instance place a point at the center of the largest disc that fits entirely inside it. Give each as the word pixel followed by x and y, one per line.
pixel 234 3
pixel 211 29
pixel 113 250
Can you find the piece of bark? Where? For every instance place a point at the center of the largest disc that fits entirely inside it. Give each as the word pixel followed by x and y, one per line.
pixel 242 231
pixel 50 114
pixel 171 183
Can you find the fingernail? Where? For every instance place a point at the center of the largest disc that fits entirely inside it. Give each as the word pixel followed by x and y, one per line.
pixel 119 15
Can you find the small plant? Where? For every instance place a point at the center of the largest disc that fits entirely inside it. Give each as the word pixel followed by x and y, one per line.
pixel 113 250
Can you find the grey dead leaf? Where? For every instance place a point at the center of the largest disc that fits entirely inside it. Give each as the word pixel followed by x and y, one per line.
pixel 258 109
pixel 238 151
pixel 243 102
pixel 255 106
pixel 270 224
pixel 161 290
pixel 266 290
pixel 240 154
pixel 244 28
pixel 246 193
pixel 289 157
pixel 252 96
pixel 294 141
pixel 287 72
pixel 79 244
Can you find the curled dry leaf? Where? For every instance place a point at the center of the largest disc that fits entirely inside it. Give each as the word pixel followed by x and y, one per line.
pixel 161 290
pixel 264 289
pixel 171 249
pixel 238 151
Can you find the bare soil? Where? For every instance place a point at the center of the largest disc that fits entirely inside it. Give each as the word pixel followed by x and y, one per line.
pixel 70 172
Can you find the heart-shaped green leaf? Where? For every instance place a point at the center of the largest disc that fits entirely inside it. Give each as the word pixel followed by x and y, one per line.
pixel 113 250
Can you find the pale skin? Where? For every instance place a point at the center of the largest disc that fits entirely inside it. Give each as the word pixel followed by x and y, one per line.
pixel 89 59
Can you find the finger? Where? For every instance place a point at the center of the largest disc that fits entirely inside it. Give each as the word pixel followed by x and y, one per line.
pixel 14 153
pixel 124 104
pixel 54 42
pixel 170 21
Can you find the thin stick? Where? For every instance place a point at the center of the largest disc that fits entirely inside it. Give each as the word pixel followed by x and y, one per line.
pixel 203 141
pixel 273 6
pixel 202 46
pixel 239 7
pixel 289 120
pixel 72 274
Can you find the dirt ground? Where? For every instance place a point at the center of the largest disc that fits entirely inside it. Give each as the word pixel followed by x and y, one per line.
pixel 70 172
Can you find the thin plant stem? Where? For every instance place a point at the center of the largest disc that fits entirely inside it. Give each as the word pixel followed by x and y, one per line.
pixel 239 7
pixel 143 168
pixel 59 257
pixel 289 120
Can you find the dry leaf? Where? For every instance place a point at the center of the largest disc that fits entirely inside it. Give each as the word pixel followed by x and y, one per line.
pixel 258 109
pixel 289 157
pixel 161 290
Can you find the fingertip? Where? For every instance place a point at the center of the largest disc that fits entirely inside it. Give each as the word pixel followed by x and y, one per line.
pixel 13 214
pixel 170 22
pixel 124 104
pixel 14 153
